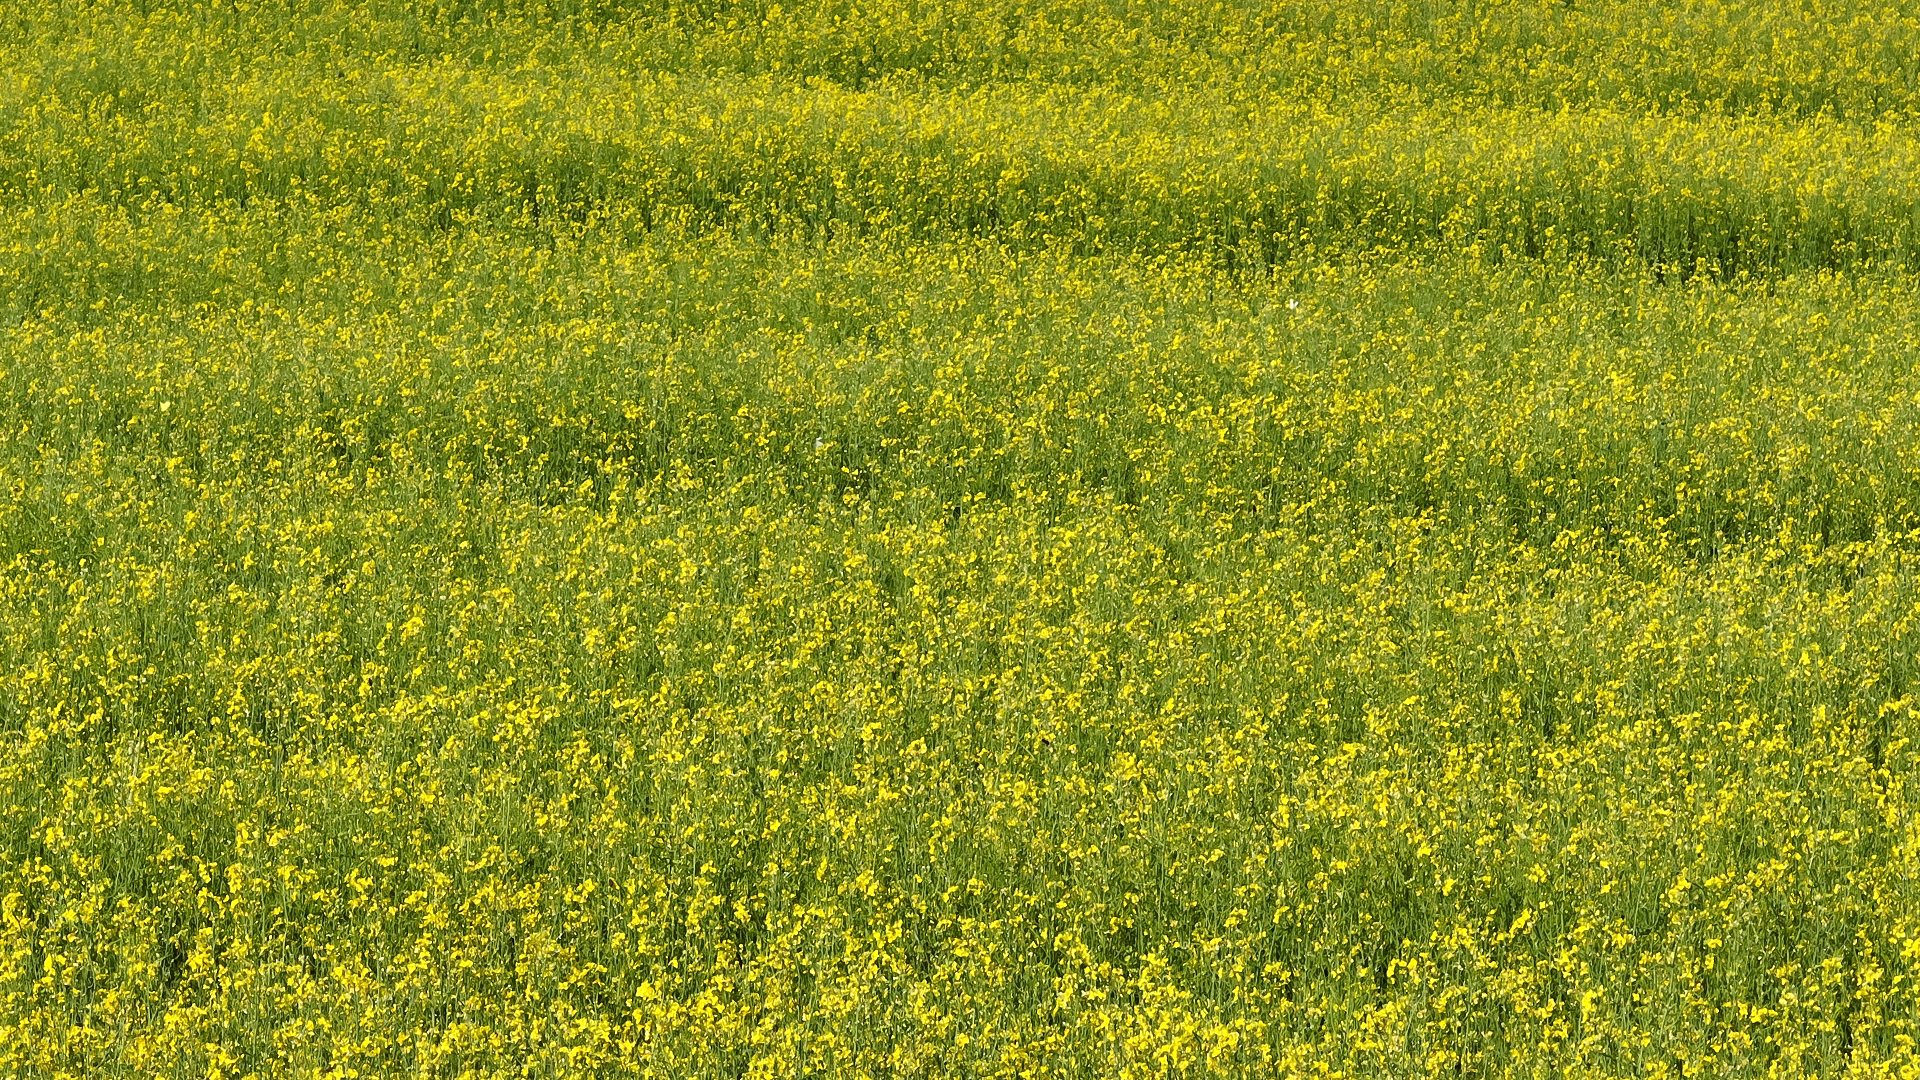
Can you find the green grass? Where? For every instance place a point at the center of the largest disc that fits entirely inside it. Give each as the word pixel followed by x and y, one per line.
pixel 1075 540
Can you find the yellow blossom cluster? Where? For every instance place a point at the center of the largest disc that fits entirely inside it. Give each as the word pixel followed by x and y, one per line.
pixel 1014 538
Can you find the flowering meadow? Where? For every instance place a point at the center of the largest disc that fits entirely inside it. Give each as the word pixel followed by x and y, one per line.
pixel 992 538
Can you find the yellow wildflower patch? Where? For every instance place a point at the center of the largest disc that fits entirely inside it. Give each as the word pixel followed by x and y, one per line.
pixel 1009 538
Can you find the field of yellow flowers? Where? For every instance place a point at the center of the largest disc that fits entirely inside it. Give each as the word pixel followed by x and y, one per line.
pixel 991 538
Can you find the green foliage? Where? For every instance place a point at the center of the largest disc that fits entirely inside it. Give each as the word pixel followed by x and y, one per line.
pixel 1069 539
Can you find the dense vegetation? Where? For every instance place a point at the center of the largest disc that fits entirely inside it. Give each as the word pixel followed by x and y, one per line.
pixel 1000 538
